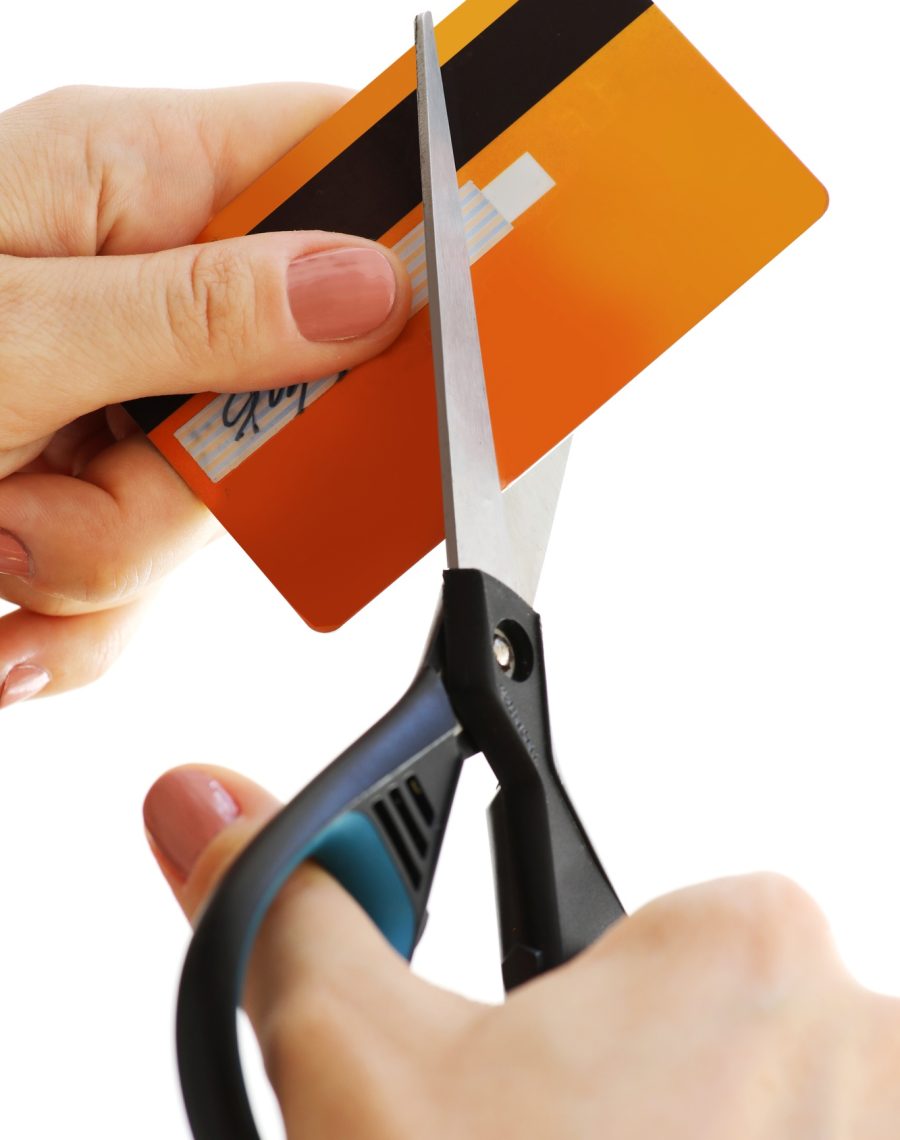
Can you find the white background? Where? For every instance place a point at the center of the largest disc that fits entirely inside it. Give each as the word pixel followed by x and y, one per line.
pixel 720 598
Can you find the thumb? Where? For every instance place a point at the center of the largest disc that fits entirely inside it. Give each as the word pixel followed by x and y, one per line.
pixel 322 981
pixel 243 314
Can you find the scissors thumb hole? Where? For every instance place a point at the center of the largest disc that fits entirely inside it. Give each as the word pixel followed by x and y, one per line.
pixel 198 818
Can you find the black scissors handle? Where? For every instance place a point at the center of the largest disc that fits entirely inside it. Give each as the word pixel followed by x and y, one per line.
pixel 553 896
pixel 375 819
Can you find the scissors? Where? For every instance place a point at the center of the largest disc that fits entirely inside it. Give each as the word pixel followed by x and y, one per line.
pixel 375 818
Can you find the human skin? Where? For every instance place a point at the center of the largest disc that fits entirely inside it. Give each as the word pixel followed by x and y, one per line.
pixel 91 516
pixel 719 1012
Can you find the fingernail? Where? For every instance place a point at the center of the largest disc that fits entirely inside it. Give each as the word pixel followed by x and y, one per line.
pixel 342 293
pixel 14 558
pixel 22 682
pixel 183 812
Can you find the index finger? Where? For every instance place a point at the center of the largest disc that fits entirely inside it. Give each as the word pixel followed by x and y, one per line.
pixel 134 171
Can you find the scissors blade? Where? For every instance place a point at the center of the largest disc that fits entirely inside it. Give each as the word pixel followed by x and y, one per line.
pixel 530 505
pixel 474 515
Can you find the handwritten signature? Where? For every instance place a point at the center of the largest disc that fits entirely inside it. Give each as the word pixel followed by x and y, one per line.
pixel 241 409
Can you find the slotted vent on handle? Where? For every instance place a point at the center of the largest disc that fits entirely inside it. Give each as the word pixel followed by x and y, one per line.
pixel 406 815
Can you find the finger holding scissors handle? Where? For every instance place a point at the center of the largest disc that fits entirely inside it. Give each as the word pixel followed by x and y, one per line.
pixel 374 819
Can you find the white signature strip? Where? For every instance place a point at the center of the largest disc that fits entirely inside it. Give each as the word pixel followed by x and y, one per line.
pixel 234 452
pixel 231 427
pixel 478 214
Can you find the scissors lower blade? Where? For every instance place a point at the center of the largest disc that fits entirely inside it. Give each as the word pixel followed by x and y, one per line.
pixel 530 505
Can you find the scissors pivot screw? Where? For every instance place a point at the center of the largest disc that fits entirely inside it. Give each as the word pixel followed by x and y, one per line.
pixel 503 652
pixel 513 650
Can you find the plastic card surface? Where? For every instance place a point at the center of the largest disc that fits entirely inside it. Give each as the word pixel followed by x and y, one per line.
pixel 615 190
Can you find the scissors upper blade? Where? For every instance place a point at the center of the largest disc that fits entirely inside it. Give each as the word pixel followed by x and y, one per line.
pixel 474 518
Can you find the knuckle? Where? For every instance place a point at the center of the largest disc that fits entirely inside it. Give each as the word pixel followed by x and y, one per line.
pixel 211 304
pixel 61 99
pixel 114 572
pixel 767 929
pixel 110 581
pixel 771 903
pixel 762 928
pixel 769 896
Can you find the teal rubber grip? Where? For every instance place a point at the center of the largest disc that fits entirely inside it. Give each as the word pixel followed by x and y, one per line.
pixel 351 850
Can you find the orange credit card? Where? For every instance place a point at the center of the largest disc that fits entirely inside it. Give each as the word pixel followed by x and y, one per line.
pixel 615 190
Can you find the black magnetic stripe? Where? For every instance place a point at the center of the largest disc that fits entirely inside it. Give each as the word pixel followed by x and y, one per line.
pixel 498 76
pixel 151 411
pixel 489 84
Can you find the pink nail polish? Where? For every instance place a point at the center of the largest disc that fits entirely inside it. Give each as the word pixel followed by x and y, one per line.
pixel 183 812
pixel 22 682
pixel 14 558
pixel 342 293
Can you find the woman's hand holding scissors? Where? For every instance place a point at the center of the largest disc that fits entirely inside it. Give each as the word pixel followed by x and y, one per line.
pixel 717 1011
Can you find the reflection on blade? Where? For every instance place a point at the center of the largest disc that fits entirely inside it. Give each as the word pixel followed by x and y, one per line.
pixel 530 505
pixel 474 517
